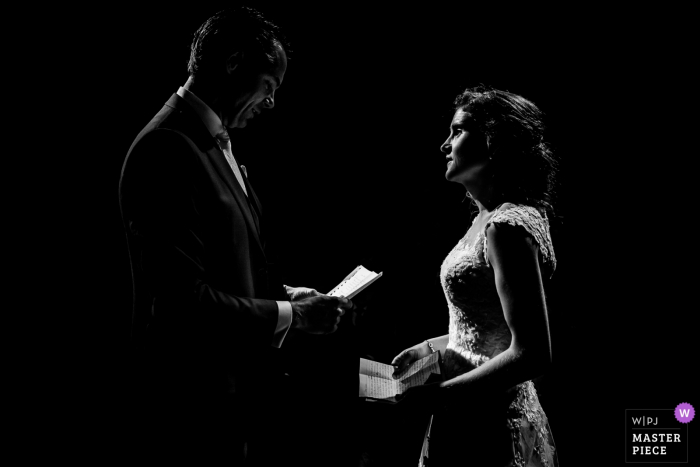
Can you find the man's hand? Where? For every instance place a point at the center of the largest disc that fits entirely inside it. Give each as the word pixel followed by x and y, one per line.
pixel 299 293
pixel 319 314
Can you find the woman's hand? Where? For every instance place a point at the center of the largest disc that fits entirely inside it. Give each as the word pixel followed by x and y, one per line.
pixel 408 356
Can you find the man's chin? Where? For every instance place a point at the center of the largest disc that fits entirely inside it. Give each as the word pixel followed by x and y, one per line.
pixel 241 124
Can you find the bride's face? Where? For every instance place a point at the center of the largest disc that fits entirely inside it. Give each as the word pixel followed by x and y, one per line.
pixel 466 150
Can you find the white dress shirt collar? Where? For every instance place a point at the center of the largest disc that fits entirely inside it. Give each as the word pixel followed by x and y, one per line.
pixel 208 116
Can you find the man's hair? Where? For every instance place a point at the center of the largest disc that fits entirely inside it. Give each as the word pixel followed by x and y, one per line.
pixel 524 167
pixel 238 29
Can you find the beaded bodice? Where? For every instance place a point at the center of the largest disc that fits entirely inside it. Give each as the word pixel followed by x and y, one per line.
pixel 478 330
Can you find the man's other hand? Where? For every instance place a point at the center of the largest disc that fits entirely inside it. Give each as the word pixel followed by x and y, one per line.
pixel 299 293
pixel 320 314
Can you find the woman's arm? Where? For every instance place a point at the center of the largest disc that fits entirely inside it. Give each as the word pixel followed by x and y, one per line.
pixel 439 343
pixel 514 257
pixel 418 351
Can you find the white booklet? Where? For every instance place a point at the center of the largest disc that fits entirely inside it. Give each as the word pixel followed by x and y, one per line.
pixel 355 282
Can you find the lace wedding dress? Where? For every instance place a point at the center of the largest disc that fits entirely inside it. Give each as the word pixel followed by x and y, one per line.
pixel 508 429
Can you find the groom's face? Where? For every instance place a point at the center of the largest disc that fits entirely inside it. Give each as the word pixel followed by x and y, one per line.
pixel 251 91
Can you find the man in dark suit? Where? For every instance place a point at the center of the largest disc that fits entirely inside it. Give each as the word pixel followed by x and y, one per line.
pixel 210 314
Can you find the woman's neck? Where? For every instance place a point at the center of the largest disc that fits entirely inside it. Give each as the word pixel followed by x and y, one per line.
pixel 481 207
pixel 484 198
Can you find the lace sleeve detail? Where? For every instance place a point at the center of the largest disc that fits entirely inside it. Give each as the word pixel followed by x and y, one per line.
pixel 536 224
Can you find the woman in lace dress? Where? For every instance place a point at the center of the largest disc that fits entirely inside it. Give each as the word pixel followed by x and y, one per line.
pixel 486 411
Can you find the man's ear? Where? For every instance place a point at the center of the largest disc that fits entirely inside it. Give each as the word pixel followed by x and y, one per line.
pixel 234 62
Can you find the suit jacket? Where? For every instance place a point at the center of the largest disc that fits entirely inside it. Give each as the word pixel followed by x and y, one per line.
pixel 204 294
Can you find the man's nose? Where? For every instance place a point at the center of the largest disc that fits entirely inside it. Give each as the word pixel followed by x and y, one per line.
pixel 446 147
pixel 269 102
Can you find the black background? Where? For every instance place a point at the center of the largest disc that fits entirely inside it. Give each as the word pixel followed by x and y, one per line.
pixel 349 172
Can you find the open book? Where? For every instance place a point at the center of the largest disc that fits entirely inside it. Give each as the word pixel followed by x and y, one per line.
pixel 355 282
pixel 376 381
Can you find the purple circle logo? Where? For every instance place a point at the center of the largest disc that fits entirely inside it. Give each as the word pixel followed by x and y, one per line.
pixel 684 412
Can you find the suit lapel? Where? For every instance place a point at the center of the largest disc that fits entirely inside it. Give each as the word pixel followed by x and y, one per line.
pixel 254 203
pixel 218 160
pixel 207 144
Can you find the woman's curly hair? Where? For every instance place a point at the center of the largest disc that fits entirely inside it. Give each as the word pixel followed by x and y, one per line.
pixel 524 167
